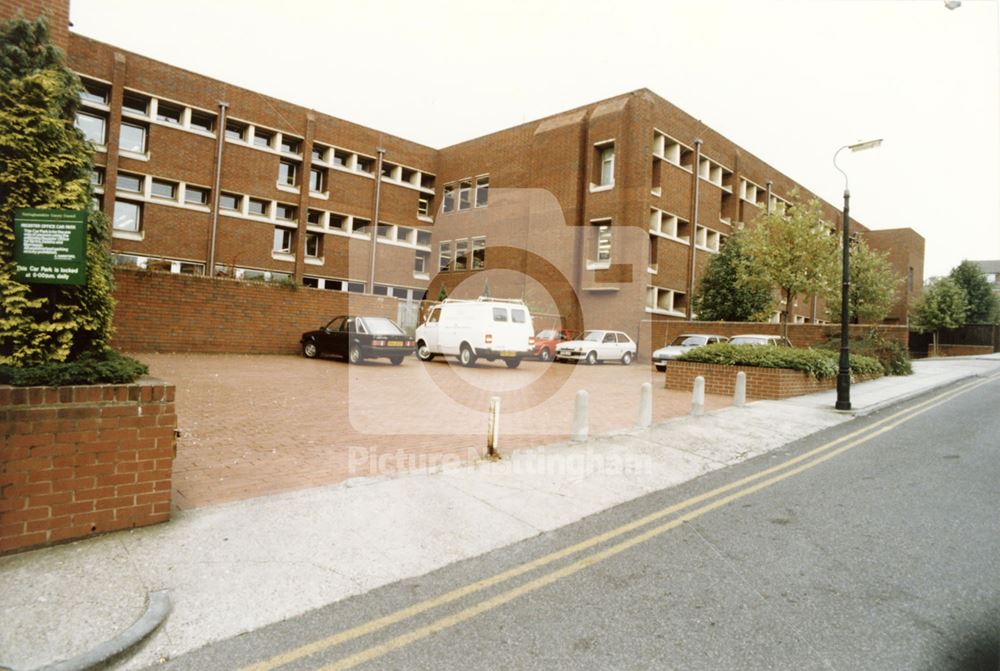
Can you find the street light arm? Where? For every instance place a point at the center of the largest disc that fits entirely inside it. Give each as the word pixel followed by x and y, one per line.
pixel 846 146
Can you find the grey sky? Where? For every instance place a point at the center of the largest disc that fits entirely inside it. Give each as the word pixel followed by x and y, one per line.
pixel 789 81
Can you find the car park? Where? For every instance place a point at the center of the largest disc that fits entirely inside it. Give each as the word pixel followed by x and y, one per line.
pixel 488 328
pixel 547 340
pixel 358 338
pixel 683 343
pixel 762 339
pixel 598 346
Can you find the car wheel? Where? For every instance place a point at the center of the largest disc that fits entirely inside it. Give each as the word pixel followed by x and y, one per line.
pixel 424 352
pixel 354 355
pixel 309 349
pixel 395 360
pixel 626 358
pixel 591 358
pixel 512 363
pixel 467 357
pixel 545 355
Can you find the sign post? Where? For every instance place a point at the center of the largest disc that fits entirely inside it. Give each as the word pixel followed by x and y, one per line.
pixel 50 246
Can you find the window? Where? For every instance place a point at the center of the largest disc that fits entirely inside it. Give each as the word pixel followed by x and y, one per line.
pixel 518 316
pixel 602 246
pixel 236 131
pixel 424 238
pixel 423 207
pixel 283 240
pixel 426 181
pixel 461 255
pixel 314 245
pixel 262 138
pixel 283 211
pixel 482 191
pixel 94 92
pixel 420 261
pixel 444 257
pixel 230 201
pixel 132 138
pixel 360 226
pixel 169 113
pixel 478 253
pixel 449 198
pixel 337 221
pixel 257 206
pixel 340 157
pixel 286 173
pixel 317 180
pixel 499 314
pixel 383 231
pixel 127 216
pixel 291 145
pixel 97 177
pixel 161 188
pixel 129 182
pixel 319 153
pixel 92 126
pixel 135 103
pixel 387 169
pixel 404 234
pixel 314 217
pixel 202 120
pixel 465 195
pixel 606 164
pixel 195 195
pixel 365 165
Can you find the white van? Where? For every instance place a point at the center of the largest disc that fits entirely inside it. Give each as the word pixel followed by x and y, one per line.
pixel 490 328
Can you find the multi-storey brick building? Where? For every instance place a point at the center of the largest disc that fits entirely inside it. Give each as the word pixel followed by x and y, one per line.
pixel 606 213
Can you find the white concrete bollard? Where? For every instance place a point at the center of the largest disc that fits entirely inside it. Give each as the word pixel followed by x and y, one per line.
pixel 493 434
pixel 698 398
pixel 645 406
pixel 580 419
pixel 740 396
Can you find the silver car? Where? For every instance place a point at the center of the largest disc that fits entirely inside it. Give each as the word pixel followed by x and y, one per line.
pixel 681 344
pixel 760 339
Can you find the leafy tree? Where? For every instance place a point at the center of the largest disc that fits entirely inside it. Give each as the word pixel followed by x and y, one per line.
pixel 731 289
pixel 46 163
pixel 873 286
pixel 942 305
pixel 794 252
pixel 983 303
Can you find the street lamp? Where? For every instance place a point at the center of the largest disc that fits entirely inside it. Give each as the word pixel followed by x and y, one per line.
pixel 844 374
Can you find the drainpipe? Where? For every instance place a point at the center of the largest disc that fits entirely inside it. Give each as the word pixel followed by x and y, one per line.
pixel 694 227
pixel 375 215
pixel 220 142
pixel 769 183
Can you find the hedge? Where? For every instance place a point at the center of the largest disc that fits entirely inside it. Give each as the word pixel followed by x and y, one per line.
pixel 821 364
pixel 101 367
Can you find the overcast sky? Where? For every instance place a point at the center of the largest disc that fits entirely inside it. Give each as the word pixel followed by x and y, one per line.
pixel 791 81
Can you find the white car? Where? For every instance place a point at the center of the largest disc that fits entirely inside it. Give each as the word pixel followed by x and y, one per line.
pixel 681 344
pixel 594 346
pixel 490 328
pixel 760 339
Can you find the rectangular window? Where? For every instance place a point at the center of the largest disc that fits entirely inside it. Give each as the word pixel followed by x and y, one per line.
pixel 129 182
pixel 94 92
pixel 424 238
pixel 365 165
pixel 478 253
pixel 314 245
pixel 128 216
pixel 360 226
pixel 387 169
pixel 287 172
pixel 383 230
pixel 92 126
pixel 195 195
pixel 602 246
pixel 283 211
pixel 420 260
pixel 482 191
pixel 465 195
pixel 337 221
pixel 230 201
pixel 499 314
pixel 236 131
pixel 257 207
pixel 136 103
pixel 319 152
pixel 461 255
pixel 518 316
pixel 97 177
pixel 169 113
pixel 283 240
pixel 314 217
pixel 444 257
pixel 423 207
pixel 132 137
pixel 449 198
pixel 340 157
pixel 262 138
pixel 606 164
pixel 317 180
pixel 291 145
pixel 161 188
pixel 202 120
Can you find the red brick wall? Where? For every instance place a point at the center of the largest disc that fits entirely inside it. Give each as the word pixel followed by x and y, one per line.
pixel 78 461
pixel 762 383
pixel 164 312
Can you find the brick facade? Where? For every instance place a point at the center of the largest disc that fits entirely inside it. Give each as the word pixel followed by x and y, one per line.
pixel 82 460
pixel 762 383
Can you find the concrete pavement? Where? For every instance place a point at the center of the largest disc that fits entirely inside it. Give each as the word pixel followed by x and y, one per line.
pixel 239 566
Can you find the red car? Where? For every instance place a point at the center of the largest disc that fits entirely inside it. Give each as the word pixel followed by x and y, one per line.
pixel 547 340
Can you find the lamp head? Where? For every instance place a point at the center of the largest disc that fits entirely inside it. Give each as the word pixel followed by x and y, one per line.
pixel 861 146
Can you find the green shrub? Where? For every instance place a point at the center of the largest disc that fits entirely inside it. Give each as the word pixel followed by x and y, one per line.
pixel 100 367
pixel 819 363
pixel 891 354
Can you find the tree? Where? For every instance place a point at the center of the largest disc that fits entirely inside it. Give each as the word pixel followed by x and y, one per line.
pixel 731 289
pixel 794 252
pixel 46 163
pixel 942 305
pixel 873 286
pixel 983 304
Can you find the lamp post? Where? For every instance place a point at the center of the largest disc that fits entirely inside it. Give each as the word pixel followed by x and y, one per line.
pixel 844 373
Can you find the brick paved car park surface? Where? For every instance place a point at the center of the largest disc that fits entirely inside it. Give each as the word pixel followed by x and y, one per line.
pixel 256 425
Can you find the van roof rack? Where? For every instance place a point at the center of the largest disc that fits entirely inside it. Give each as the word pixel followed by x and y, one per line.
pixel 483 299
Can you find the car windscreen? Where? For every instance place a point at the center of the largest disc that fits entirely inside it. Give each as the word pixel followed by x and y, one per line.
pixel 382 326
pixel 687 341
pixel 746 341
pixel 593 336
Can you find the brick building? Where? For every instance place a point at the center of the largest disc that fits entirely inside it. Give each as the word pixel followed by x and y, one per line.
pixel 605 214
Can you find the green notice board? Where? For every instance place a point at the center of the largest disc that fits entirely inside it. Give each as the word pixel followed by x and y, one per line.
pixel 50 246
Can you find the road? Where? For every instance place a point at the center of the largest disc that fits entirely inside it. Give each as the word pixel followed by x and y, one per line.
pixel 873 545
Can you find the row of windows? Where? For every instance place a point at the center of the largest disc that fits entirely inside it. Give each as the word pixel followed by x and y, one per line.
pixel 132 137
pixel 465 194
pixel 462 259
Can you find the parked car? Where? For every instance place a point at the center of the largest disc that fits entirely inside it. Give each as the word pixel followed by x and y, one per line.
pixel 546 342
pixel 681 344
pixel 359 338
pixel 760 339
pixel 594 346
pixel 490 328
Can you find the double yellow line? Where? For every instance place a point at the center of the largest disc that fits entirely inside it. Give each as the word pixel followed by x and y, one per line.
pixel 718 497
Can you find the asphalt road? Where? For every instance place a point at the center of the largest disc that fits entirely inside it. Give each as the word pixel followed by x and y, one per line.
pixel 873 545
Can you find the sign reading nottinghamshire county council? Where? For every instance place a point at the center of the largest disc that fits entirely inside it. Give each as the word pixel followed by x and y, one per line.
pixel 50 246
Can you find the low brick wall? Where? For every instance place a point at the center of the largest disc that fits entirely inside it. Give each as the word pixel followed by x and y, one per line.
pixel 82 460
pixel 762 383
pixel 961 350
